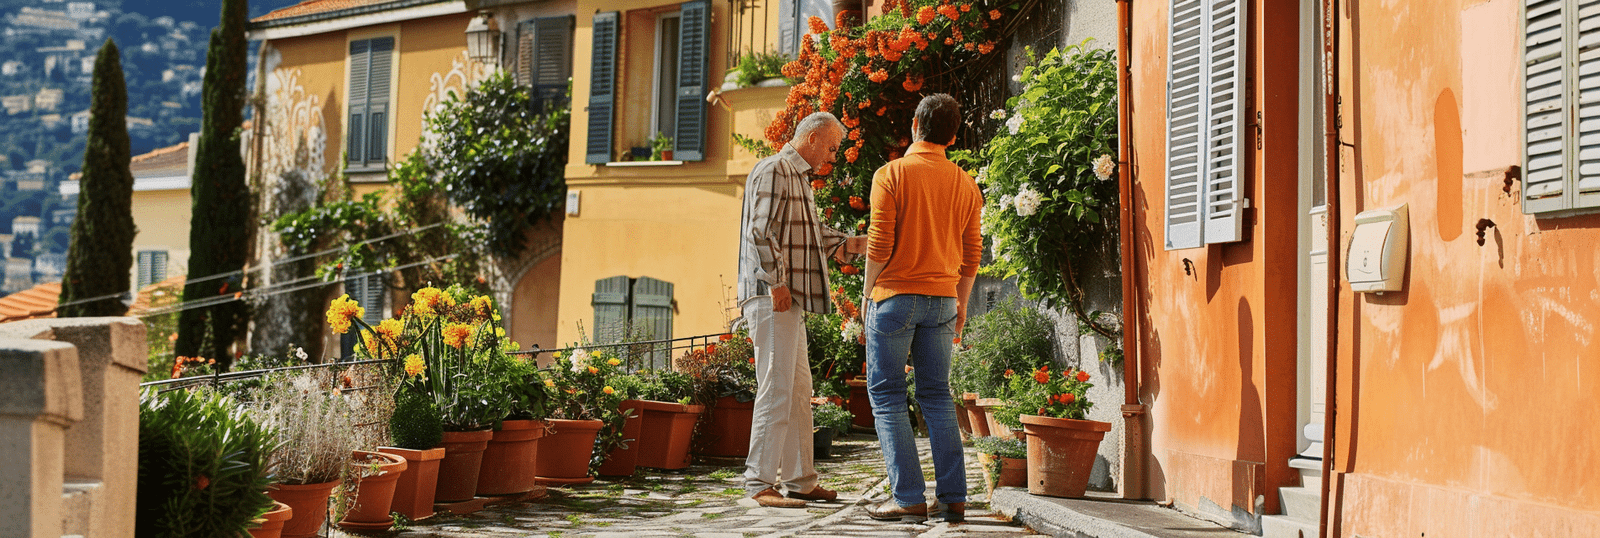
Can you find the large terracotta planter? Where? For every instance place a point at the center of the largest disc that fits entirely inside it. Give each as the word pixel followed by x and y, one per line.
pixel 510 458
pixel 565 451
pixel 961 418
pixel 860 403
pixel 270 524
pixel 1061 454
pixel 976 418
pixel 996 429
pixel 624 459
pixel 377 474
pixel 668 428
pixel 308 504
pixel 726 429
pixel 458 471
pixel 414 490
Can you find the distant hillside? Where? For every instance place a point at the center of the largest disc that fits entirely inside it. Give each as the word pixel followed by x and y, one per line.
pixel 202 12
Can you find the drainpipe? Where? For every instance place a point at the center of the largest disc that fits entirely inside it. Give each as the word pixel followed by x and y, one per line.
pixel 1133 412
pixel 1330 111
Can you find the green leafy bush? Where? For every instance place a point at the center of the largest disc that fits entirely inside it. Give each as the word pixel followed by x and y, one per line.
pixel 665 386
pixel 755 67
pixel 831 415
pixel 1013 337
pixel 202 465
pixel 1048 188
pixel 1044 393
pixel 415 424
pixel 1005 447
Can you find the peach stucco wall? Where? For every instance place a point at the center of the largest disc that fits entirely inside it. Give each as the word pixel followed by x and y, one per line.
pixel 1462 406
pixel 1468 387
pixel 1218 343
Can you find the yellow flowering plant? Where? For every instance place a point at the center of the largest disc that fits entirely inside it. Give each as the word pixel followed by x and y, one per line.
pixel 586 386
pixel 450 347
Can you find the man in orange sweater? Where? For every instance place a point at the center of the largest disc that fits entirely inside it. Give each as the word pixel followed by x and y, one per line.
pixel 922 256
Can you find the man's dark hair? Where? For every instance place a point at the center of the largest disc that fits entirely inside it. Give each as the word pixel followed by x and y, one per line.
pixel 938 117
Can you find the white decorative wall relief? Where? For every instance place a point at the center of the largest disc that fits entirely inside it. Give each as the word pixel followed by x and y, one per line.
pixel 295 143
pixel 464 74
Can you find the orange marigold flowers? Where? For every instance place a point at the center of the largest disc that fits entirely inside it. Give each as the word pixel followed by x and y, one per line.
pixel 481 307
pixel 1041 376
pixel 857 204
pixel 852 154
pixel 608 390
pixel 950 12
pixel 966 7
pixel 342 311
pixel 849 269
pixel 949 41
pixel 994 14
pixel 925 15
pixel 878 76
pixel 711 348
pixel 593 370
pixel 457 334
pixel 818 184
pixel 986 47
pixel 912 84
pixel 725 337
pixel 1010 373
pixel 851 121
pixel 1069 398
pixel 969 46
pixel 415 365
pixel 818 26
pixel 390 328
pixel 1083 376
pixel 428 301
pixel 855 134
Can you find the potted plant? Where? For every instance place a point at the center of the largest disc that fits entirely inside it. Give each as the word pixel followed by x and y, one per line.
pixel 755 69
pixel 668 418
pixel 623 458
pixel 1004 461
pixel 586 420
pixel 416 432
pixel 510 459
pixel 830 420
pixel 316 431
pixel 202 466
pixel 725 382
pixel 373 477
pixel 1052 407
pixel 661 147
pixel 1011 338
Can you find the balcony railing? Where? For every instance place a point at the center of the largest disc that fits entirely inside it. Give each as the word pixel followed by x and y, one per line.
pixel 755 28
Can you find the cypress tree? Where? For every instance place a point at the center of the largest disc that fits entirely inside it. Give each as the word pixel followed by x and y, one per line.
pixel 219 229
pixel 101 254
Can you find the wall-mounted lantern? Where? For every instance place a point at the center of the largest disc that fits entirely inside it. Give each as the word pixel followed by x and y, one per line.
pixel 483 39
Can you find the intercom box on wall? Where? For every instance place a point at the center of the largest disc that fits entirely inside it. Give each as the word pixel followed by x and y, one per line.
pixel 1376 261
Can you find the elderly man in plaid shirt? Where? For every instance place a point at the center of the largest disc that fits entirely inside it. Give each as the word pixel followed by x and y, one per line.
pixel 783 250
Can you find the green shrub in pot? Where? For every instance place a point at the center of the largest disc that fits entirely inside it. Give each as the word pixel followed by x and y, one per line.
pixel 202 465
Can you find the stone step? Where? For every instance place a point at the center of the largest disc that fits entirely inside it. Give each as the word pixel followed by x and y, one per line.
pixel 1310 472
pixel 1284 527
pixel 1303 504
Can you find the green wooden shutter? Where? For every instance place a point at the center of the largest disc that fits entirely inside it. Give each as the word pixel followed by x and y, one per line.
pixel 694 32
pixel 651 315
pixel 373 298
pixel 610 309
pixel 552 59
pixel 355 141
pixel 381 54
pixel 602 88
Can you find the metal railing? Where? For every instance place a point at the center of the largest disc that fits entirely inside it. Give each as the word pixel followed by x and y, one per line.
pixel 753 28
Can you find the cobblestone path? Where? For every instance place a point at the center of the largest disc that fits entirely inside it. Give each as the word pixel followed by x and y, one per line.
pixel 705 501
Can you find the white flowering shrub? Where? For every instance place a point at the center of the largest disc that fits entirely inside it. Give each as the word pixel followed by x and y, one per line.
pixel 1048 187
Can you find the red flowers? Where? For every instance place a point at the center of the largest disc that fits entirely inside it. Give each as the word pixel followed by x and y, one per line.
pixel 857 204
pixel 994 14
pixel 1042 376
pixel 725 337
pixel 925 15
pixel 1083 377
pixel 818 184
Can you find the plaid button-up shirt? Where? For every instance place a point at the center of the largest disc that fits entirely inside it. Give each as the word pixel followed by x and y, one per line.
pixel 782 241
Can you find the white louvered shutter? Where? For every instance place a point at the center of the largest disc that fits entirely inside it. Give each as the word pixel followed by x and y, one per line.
pixel 1588 96
pixel 1185 108
pixel 1224 121
pixel 1545 125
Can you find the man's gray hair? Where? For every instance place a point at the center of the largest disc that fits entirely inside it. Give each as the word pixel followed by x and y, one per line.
pixel 814 121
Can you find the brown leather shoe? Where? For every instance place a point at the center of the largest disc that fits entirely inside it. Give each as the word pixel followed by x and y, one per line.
pixel 817 493
pixel 952 513
pixel 890 510
pixel 771 498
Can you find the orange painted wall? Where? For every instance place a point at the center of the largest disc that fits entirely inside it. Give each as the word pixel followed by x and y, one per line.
pixel 1468 388
pixel 1217 353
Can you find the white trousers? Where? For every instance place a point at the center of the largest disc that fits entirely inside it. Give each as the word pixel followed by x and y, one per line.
pixel 780 429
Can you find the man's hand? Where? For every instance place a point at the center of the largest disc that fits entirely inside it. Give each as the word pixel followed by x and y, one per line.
pixel 780 299
pixel 961 320
pixel 856 244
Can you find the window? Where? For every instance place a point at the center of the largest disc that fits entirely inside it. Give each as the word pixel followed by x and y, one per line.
pixel 544 59
pixel 1561 120
pixel 634 309
pixel 367 140
pixel 1205 111
pixel 152 268
pixel 370 292
pixel 678 81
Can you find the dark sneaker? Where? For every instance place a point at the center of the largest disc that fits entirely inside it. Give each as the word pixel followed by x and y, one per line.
pixel 951 513
pixel 817 493
pixel 771 498
pixel 890 510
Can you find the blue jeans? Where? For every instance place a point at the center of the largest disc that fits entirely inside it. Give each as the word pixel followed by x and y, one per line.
pixel 915 330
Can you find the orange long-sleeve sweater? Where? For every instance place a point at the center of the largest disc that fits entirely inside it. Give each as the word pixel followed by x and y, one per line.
pixel 925 212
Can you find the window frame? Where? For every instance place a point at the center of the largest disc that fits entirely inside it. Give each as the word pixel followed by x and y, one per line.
pixel 1569 62
pixel 658 68
pixel 361 161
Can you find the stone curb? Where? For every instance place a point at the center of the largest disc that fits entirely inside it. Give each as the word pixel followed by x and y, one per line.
pixel 1055 520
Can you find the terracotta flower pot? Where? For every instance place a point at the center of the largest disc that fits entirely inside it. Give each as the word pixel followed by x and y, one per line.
pixel 976 418
pixel 1061 454
pixel 996 429
pixel 668 428
pixel 308 504
pixel 726 431
pixel 624 459
pixel 860 403
pixel 565 452
pixel 414 490
pixel 510 458
pixel 458 471
pixel 270 524
pixel 374 491
pixel 1013 472
pixel 961 418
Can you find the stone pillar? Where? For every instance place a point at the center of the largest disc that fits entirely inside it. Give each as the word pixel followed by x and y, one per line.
pixel 102 450
pixel 40 396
